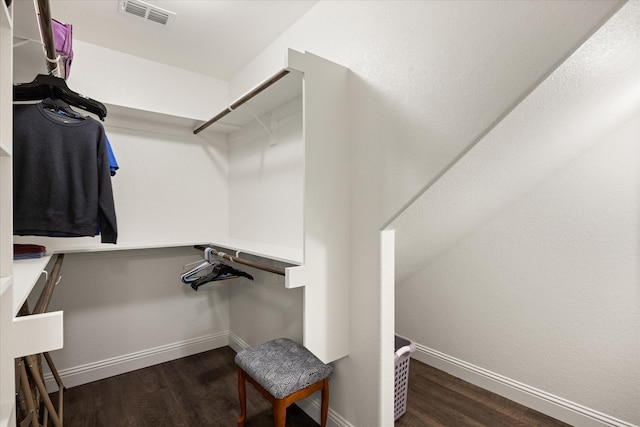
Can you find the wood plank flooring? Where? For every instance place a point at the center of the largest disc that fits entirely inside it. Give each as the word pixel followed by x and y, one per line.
pixel 201 390
pixel 437 399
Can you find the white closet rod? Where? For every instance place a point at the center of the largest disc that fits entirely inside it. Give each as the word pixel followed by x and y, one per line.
pixel 244 99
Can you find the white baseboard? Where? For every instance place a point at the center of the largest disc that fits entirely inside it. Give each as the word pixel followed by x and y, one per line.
pixel 539 400
pixel 102 369
pixel 237 343
pixel 106 368
pixel 311 406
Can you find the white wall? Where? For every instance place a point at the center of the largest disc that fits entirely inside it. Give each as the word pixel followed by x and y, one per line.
pixel 116 78
pixel 262 309
pixel 546 293
pixel 428 78
pixel 113 77
pixel 266 179
pixel 528 243
pixel 171 188
pixel 124 310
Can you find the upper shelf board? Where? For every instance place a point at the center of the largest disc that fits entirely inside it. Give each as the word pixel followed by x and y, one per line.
pixel 284 90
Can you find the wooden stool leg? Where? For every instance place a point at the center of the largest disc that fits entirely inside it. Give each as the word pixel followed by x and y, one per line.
pixel 242 392
pixel 279 413
pixel 324 408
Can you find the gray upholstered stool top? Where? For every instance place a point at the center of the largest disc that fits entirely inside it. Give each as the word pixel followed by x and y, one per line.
pixel 282 366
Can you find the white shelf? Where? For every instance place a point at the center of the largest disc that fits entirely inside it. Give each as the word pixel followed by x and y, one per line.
pixel 26 273
pixel 283 254
pixel 277 253
pixel 58 246
pixel 44 333
pixel 29 334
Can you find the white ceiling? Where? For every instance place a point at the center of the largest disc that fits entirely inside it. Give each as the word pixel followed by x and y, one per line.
pixel 211 37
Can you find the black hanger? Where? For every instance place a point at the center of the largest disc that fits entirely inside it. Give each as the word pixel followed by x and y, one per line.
pixel 45 86
pixel 220 271
pixel 61 107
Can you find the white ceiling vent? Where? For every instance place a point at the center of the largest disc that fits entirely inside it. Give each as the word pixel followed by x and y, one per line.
pixel 147 11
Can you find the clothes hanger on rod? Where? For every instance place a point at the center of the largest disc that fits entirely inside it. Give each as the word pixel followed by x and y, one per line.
pixel 190 276
pixel 221 271
pixel 46 86
pixel 61 107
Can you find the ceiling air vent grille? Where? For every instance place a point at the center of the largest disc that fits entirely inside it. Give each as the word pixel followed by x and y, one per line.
pixel 147 11
pixel 135 9
pixel 159 17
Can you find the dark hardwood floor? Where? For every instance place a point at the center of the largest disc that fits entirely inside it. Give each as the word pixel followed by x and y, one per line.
pixel 436 398
pixel 201 390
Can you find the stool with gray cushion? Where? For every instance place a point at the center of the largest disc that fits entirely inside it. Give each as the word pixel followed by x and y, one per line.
pixel 284 372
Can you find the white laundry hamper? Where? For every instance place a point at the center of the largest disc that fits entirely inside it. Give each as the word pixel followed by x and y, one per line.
pixel 403 349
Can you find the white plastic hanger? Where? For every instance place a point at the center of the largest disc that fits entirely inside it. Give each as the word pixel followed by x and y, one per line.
pixel 188 277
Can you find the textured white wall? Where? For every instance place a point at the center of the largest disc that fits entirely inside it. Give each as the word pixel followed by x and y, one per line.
pixel 428 78
pixel 171 188
pixel 116 78
pixel 592 91
pixel 529 244
pixel 113 77
pixel 119 303
pixel 266 179
pixel 262 309
pixel 265 206
pixel 546 292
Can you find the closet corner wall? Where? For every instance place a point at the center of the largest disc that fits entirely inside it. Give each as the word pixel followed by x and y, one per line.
pixel 289 181
pixel 19 336
pixel 327 181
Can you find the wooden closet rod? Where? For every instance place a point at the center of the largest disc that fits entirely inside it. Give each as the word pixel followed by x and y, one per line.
pixel 226 256
pixel 47 292
pixel 46 32
pixel 244 99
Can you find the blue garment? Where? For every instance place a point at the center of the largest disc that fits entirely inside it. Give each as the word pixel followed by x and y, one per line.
pixel 113 164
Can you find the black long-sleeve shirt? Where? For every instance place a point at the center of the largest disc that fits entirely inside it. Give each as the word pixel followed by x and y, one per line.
pixel 61 178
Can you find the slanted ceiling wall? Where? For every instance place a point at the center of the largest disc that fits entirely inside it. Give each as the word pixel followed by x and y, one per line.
pixel 527 248
pixel 546 292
